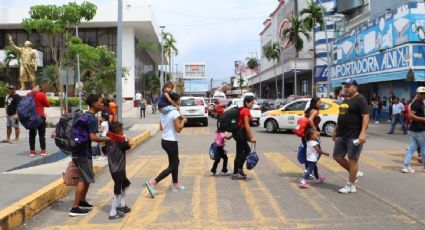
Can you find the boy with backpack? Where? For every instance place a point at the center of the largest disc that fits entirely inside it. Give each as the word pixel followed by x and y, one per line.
pixel 83 157
pixel 117 163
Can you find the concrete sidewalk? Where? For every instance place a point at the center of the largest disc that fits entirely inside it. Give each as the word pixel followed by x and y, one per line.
pixel 36 177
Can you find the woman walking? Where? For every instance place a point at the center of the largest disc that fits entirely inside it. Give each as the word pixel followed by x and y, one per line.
pixel 171 124
pixel 242 135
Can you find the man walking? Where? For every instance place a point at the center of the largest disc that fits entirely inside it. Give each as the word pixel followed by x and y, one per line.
pixel 138 98
pixel 142 108
pixel 12 102
pixel 350 133
pixel 41 101
pixel 417 129
pixel 397 116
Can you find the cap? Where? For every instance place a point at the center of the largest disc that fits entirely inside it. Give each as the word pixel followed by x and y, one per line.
pixel 12 87
pixel 420 89
pixel 350 82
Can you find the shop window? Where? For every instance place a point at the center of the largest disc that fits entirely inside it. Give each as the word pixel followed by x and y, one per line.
pixel 304 87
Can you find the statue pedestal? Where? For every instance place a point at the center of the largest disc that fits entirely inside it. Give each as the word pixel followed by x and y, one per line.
pixel 22 93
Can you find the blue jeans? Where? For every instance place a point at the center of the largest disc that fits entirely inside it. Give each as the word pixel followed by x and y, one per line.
pixel 376 114
pixel 167 109
pixel 311 168
pixel 396 118
pixel 416 139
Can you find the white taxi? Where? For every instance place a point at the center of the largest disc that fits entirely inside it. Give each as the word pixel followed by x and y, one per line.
pixel 287 117
pixel 194 109
pixel 255 111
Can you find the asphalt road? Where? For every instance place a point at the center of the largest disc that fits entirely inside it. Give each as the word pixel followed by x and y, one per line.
pixel 268 199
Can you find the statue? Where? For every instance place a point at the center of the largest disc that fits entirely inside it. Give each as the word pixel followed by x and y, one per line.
pixel 28 63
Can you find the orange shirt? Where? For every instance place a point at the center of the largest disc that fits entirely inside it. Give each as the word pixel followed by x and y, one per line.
pixel 114 107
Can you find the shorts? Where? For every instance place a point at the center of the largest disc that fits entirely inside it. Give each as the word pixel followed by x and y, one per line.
pixel 86 169
pixel 11 122
pixel 345 147
pixel 121 182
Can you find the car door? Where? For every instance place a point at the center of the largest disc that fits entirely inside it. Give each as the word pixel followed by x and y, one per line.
pixel 291 113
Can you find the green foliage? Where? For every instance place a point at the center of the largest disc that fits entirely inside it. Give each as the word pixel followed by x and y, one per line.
pixel 169 45
pixel 72 102
pixel 49 76
pixel 3 89
pixel 252 63
pixel 154 83
pixel 272 52
pixel 294 33
pixel 149 46
pixel 314 16
pixel 180 87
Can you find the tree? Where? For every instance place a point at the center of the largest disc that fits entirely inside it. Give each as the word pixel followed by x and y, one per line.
pixel 11 55
pixel 252 63
pixel 55 24
pixel 169 47
pixel 180 87
pixel 272 53
pixel 314 18
pixel 241 82
pixel 48 76
pixel 153 83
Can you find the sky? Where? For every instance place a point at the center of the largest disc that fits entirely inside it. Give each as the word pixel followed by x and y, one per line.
pixel 217 32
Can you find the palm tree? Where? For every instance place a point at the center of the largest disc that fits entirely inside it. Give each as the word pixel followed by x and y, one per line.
pixel 240 82
pixel 311 21
pixel 253 65
pixel 169 47
pixel 272 53
pixel 294 36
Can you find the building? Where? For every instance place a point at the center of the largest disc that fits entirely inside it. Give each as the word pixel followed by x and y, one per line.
pixel 241 82
pixel 384 53
pixel 296 67
pixel 195 79
pixel 138 25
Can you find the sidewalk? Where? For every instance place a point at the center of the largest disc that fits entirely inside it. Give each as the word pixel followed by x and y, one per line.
pixel 33 174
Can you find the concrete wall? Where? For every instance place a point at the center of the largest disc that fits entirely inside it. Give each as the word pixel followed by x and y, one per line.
pixel 128 61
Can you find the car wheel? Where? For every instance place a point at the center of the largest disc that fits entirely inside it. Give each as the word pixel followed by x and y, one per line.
pixel 271 126
pixel 328 128
pixel 205 122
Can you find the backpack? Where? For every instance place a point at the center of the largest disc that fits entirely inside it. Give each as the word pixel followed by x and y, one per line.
pixel 302 126
pixel 252 159
pixel 228 121
pixel 71 176
pixel 72 132
pixel 213 151
pixel 27 113
pixel 301 155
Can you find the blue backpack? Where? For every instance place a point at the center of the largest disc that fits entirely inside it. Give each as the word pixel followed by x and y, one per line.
pixel 213 151
pixel 252 160
pixel 27 113
pixel 301 155
pixel 72 132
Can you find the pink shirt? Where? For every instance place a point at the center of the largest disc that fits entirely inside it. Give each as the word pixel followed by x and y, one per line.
pixel 219 139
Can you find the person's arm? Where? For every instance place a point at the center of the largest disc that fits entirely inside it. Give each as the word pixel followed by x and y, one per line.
pixel 334 133
pixel 364 109
pixel 320 151
pixel 167 96
pixel 413 117
pixel 95 138
pixel 248 130
pixel 160 127
pixel 13 46
pixel 45 102
pixel 313 114
pixel 179 124
pixel 228 137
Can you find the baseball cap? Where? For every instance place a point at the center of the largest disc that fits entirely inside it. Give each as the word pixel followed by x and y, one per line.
pixel 420 89
pixel 350 82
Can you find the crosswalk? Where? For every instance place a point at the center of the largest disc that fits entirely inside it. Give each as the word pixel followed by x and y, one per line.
pixel 268 199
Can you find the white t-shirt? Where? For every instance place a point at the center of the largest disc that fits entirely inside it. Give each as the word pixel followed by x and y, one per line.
pixel 138 96
pixel 105 126
pixel 312 154
pixel 169 132
pixel 398 108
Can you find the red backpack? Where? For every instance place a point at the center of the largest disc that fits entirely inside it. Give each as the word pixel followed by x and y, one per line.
pixel 302 126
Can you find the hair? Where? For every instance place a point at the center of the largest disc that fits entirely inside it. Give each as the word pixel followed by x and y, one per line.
pixel 248 99
pixel 114 127
pixel 168 84
pixel 308 133
pixel 106 102
pixel 92 98
pixel 219 130
pixel 312 106
pixel 105 115
pixel 174 96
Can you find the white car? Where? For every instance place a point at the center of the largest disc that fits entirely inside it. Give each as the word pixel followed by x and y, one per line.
pixel 287 117
pixel 194 109
pixel 255 111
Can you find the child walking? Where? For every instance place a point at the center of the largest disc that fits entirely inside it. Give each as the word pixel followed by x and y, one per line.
pixel 165 103
pixel 117 163
pixel 313 154
pixel 220 137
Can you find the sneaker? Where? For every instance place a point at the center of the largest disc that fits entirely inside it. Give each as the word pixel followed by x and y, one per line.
pixel 348 188
pixel 360 174
pixel 407 169
pixel 77 212
pixel 241 172
pixel 303 184
pixel 43 153
pixel 238 176
pixel 213 174
pixel 151 188
pixel 32 153
pixel 321 180
pixel 84 205
pixel 178 189
pixel 124 209
pixel 117 216
pixel 225 172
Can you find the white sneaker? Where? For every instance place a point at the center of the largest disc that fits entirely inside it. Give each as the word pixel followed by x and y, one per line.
pixel 360 174
pixel 348 188
pixel 376 122
pixel 407 169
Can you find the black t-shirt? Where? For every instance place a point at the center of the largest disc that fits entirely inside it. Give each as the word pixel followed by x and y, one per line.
pixel 12 103
pixel 117 156
pixel 418 107
pixel 350 117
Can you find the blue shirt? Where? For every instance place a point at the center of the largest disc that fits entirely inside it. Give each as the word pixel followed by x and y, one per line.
pixel 162 101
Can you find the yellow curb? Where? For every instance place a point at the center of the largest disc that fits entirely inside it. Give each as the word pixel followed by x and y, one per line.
pixel 16 214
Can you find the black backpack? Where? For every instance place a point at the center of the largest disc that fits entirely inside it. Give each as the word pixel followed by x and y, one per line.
pixel 27 113
pixel 65 139
pixel 228 121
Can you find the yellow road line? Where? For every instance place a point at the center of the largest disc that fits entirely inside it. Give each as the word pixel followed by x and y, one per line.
pixel 212 207
pixel 376 163
pixel 193 165
pixel 252 203
pixel 196 203
pixel 330 164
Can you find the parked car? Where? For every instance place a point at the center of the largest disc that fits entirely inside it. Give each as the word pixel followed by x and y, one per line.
pixel 218 107
pixel 194 109
pixel 287 117
pixel 255 111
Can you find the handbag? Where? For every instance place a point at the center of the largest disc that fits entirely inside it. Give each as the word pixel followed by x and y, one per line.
pixel 302 156
pixel 71 176
pixel 213 151
pixel 252 159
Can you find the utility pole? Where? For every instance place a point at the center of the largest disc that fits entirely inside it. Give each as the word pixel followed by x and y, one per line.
pixel 161 78
pixel 119 62
pixel 80 102
pixel 329 71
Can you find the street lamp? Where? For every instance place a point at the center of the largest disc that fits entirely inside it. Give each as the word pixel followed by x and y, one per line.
pixel 119 62
pixel 161 78
pixel 329 72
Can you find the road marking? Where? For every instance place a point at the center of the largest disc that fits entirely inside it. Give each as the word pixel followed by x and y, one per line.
pixel 331 164
pixel 377 163
pixel 252 203
pixel 192 165
pixel 212 207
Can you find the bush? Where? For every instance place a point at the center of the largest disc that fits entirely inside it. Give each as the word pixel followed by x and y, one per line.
pixel 72 102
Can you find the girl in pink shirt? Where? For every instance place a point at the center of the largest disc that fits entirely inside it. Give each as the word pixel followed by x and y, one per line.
pixel 220 137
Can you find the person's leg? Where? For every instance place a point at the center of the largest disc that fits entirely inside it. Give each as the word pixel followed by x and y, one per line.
pixel 246 151
pixel 32 139
pixel 413 145
pixel 340 151
pixel 315 171
pixel 393 123
pixel 353 153
pixel 238 155
pixel 169 169
pixel 304 142
pixel 116 199
pixel 225 160
pixel 144 113
pixel 8 133
pixel 354 168
pixel 421 143
pixel 80 194
pixel 175 161
pixel 42 135
pixel 403 124
pixel 215 164
pixel 17 132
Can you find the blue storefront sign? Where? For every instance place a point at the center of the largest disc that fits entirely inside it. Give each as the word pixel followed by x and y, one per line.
pixel 196 86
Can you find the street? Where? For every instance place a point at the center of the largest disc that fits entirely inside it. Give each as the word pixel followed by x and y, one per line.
pixel 268 199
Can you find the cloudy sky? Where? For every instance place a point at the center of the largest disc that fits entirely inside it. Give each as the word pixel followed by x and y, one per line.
pixel 216 32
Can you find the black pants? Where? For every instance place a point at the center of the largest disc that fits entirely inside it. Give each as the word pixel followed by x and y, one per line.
pixel 143 112
pixel 242 149
pixel 223 156
pixel 172 149
pixel 41 135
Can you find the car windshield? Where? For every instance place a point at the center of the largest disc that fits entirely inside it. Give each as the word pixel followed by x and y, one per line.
pixel 238 102
pixel 192 102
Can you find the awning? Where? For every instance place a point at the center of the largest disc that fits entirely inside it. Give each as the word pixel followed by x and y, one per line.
pixel 419 76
